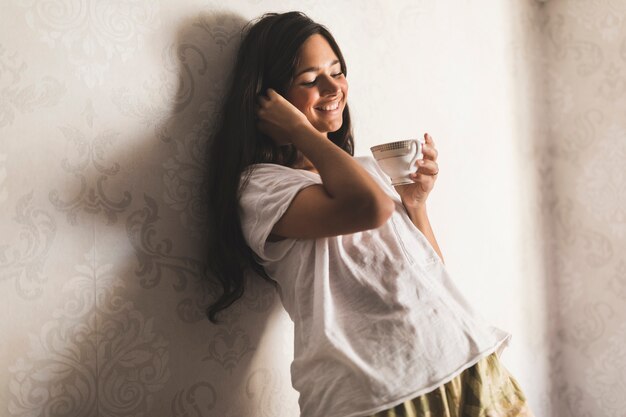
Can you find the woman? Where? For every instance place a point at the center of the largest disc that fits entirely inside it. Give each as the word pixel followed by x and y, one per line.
pixel 380 328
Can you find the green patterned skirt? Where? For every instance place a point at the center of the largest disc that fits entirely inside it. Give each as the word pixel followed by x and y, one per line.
pixel 486 389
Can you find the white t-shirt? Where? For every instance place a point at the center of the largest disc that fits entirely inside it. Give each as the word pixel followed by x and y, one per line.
pixel 377 318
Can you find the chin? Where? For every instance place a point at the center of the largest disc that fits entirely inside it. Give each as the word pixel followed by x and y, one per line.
pixel 330 127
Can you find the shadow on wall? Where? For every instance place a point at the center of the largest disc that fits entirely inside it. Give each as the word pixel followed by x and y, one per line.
pixel 212 373
pixel 129 335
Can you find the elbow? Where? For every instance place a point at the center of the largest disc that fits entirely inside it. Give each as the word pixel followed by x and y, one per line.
pixel 377 211
pixel 386 209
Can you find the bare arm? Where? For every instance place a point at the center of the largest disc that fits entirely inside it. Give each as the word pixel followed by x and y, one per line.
pixel 419 217
pixel 414 195
pixel 347 201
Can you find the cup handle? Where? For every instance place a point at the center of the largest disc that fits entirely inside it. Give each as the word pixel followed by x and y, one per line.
pixel 418 153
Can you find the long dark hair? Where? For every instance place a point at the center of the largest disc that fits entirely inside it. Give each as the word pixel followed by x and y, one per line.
pixel 267 58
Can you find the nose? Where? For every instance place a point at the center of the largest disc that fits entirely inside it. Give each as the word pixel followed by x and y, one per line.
pixel 328 86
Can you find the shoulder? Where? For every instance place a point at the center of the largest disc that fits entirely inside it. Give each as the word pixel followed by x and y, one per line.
pixel 260 172
pixel 369 163
pixel 366 161
pixel 265 175
pixel 265 169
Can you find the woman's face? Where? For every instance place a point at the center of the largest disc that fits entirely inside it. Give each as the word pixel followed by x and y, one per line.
pixel 319 88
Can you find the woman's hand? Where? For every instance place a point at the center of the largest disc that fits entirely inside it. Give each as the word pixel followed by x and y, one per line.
pixel 278 118
pixel 415 195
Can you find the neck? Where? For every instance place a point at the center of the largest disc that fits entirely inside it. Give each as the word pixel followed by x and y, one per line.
pixel 303 163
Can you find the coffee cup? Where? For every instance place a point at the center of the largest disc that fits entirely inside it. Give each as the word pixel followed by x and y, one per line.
pixel 399 159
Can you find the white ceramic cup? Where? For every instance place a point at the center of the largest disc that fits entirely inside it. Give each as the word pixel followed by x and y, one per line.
pixel 399 159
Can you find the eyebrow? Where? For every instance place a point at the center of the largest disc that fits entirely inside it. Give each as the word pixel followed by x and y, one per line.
pixel 310 69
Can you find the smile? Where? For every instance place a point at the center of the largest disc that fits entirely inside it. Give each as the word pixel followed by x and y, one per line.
pixel 328 107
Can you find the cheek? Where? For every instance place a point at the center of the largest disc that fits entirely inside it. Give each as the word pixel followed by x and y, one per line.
pixel 344 87
pixel 302 100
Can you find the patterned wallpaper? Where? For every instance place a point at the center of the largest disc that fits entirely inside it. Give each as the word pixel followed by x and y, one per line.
pixel 104 111
pixel 583 170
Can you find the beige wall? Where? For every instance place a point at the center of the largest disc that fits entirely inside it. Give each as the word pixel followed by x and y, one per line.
pixel 104 108
pixel 583 200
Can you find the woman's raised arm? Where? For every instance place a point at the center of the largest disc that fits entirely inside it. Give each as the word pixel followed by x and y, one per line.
pixel 347 201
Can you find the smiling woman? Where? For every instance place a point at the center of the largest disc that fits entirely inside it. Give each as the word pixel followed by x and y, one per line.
pixel 320 88
pixel 380 328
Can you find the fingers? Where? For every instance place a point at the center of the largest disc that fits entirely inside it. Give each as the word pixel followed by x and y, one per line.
pixel 262 100
pixel 430 153
pixel 427 167
pixel 428 149
pixel 269 95
pixel 429 139
pixel 259 107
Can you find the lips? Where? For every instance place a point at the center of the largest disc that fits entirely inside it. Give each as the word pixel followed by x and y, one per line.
pixel 328 107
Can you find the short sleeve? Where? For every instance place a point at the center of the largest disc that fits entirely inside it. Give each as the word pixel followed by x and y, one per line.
pixel 265 198
pixel 368 162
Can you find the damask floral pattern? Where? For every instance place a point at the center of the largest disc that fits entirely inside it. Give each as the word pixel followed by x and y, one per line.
pixel 196 401
pixel 155 259
pixel 617 283
pixel 600 16
pixel 587 57
pixel 607 376
pixel 592 325
pixel 87 154
pixel 92 32
pixel 165 94
pixel 587 179
pixel 231 342
pixel 184 179
pixel 186 66
pixel 97 356
pixel 22 261
pixel 199 57
pixel 19 96
pixel 223 29
pixel 602 180
pixel 4 193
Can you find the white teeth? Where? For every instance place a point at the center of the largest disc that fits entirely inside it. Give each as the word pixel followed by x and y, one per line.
pixel 329 107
